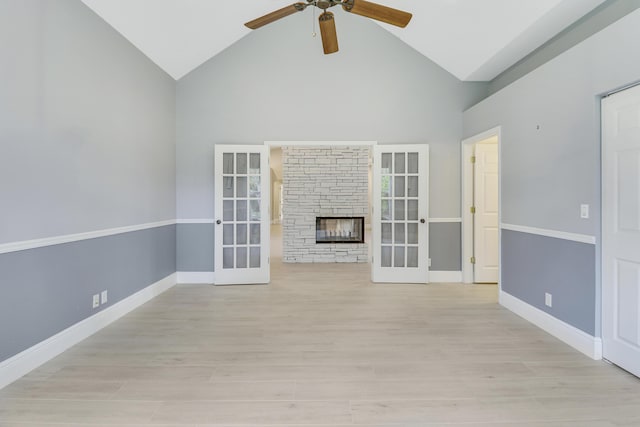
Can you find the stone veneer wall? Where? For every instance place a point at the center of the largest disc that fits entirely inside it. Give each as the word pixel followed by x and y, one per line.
pixel 322 181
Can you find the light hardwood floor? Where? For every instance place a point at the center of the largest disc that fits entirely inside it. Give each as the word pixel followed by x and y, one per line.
pixel 323 346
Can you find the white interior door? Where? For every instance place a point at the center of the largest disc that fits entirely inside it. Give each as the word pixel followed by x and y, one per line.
pixel 621 229
pixel 485 219
pixel 242 214
pixel 400 226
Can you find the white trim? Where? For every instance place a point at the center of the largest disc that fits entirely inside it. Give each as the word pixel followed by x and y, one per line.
pixel 196 221
pixel 317 143
pixel 432 220
pixel 484 135
pixel 196 277
pixel 68 238
pixel 445 276
pixel 580 340
pixel 582 238
pixel 29 359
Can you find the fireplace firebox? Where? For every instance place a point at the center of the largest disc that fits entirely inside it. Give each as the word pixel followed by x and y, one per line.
pixel 340 229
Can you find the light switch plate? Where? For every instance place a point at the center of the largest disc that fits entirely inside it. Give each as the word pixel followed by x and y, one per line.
pixel 584 211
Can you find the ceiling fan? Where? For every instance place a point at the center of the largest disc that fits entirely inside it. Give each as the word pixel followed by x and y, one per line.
pixel 328 25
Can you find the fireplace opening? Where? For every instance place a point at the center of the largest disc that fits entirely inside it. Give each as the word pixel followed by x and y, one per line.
pixel 340 229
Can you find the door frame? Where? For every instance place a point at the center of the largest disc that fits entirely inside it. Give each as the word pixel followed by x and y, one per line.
pixel 303 143
pixel 466 202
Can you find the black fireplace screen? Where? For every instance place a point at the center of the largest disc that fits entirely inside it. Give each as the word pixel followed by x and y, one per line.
pixel 340 229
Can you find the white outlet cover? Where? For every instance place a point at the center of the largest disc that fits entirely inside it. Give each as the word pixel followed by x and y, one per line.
pixel 96 300
pixel 103 297
pixel 548 299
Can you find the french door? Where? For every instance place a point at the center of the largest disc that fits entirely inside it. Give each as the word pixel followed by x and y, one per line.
pixel 241 214
pixel 621 229
pixel 400 226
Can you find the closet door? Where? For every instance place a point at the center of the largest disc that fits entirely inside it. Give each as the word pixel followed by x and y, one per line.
pixel 621 229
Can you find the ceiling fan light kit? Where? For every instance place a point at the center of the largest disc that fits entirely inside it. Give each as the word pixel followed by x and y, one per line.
pixel 327 23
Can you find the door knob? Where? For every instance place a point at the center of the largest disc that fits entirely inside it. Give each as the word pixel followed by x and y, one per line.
pixel 218 222
pixel 422 220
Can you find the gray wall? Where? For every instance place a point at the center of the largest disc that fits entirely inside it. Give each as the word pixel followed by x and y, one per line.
pixel 48 289
pixel 598 19
pixel 87 125
pixel 195 246
pixel 444 246
pixel 550 123
pixel 534 265
pixel 87 142
pixel 275 84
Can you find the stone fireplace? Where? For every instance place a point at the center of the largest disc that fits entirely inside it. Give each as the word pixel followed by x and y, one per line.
pixel 328 182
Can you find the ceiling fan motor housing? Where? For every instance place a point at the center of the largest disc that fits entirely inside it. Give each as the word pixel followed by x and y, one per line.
pixel 325 4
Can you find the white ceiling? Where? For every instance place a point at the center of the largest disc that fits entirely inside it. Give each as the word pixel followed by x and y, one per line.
pixel 474 40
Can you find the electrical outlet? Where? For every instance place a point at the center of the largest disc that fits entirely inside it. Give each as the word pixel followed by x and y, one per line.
pixel 429 262
pixel 584 211
pixel 96 301
pixel 548 299
pixel 103 297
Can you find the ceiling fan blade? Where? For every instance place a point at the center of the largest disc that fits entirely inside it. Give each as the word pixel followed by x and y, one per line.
pixel 328 33
pixel 378 12
pixel 274 16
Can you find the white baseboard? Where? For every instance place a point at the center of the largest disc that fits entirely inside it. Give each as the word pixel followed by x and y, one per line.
pixel 580 340
pixel 445 276
pixel 196 277
pixel 29 359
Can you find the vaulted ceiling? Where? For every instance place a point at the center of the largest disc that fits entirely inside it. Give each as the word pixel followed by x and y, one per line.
pixel 475 40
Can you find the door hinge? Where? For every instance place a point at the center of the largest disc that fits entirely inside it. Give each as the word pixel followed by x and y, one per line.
pixel 473 209
pixel 473 159
pixel 473 260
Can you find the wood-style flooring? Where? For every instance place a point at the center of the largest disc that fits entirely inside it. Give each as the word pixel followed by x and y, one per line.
pixel 322 346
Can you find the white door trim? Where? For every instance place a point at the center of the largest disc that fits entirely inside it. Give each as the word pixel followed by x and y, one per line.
pixel 467 201
pixel 317 143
